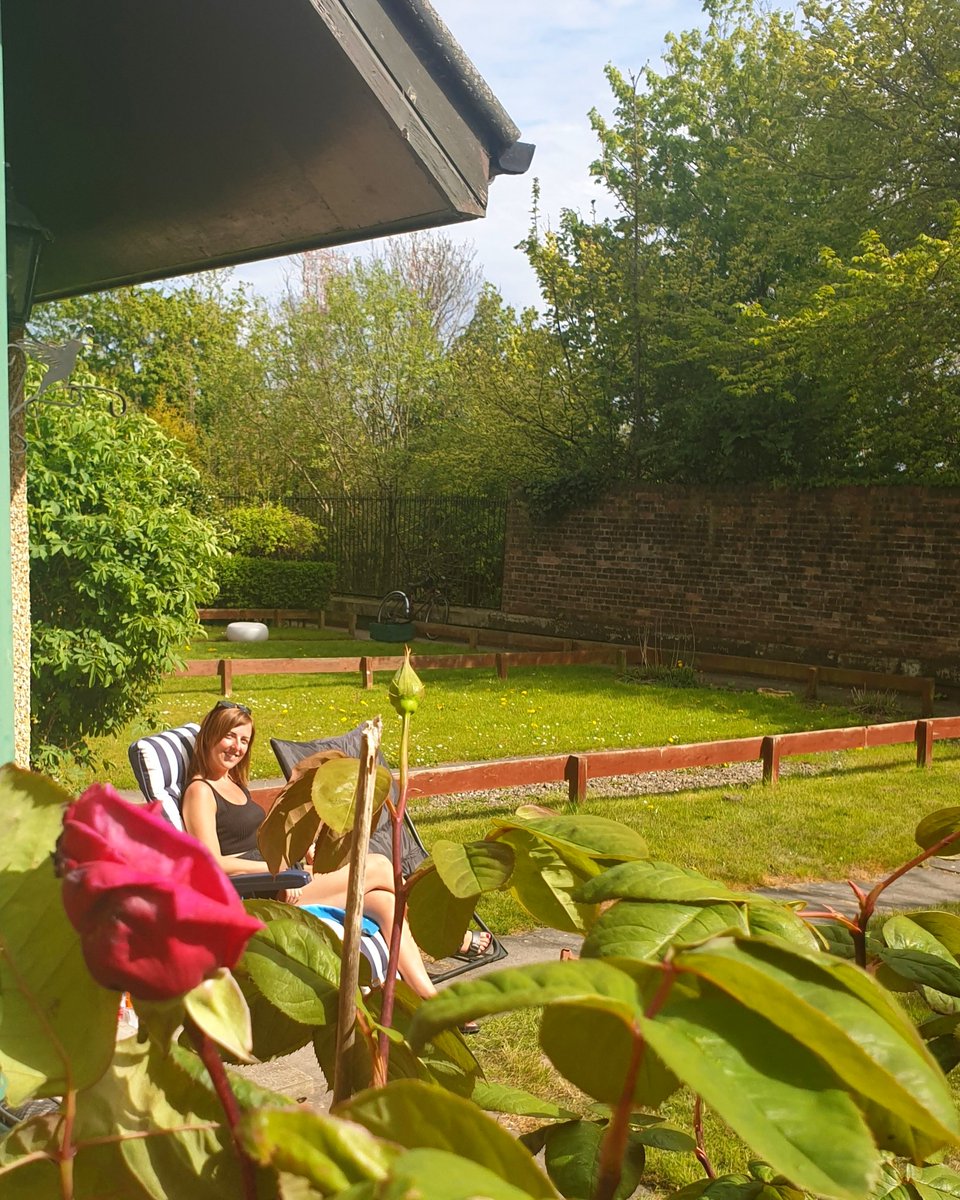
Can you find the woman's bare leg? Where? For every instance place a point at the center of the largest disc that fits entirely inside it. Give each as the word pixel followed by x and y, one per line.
pixel 379 903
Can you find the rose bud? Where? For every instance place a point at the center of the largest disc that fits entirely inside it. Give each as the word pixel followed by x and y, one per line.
pixel 406 690
pixel 155 913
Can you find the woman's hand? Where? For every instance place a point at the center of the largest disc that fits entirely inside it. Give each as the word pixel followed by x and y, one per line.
pixel 291 895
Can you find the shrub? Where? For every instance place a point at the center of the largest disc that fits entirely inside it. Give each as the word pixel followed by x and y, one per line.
pixel 876 705
pixel 118 564
pixel 272 531
pixel 264 583
pixel 678 676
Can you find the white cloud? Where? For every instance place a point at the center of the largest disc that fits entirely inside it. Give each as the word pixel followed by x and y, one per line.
pixel 544 61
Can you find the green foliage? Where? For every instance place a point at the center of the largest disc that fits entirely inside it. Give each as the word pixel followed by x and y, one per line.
pixel 364 373
pixel 714 337
pixel 269 530
pixel 120 557
pixel 804 1055
pixel 678 676
pixel 194 358
pixel 269 583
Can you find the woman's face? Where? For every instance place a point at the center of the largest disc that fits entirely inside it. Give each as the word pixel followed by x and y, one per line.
pixel 232 747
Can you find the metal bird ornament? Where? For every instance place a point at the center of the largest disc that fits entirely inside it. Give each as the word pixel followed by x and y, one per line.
pixel 60 361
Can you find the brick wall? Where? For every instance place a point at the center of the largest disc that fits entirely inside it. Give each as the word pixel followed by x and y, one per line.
pixel 858 576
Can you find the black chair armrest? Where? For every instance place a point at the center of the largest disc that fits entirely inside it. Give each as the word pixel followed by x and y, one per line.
pixel 263 883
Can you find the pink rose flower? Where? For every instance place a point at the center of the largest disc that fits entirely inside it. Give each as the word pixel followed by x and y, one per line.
pixel 155 913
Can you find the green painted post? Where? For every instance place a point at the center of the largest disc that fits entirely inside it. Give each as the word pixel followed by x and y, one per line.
pixel 7 717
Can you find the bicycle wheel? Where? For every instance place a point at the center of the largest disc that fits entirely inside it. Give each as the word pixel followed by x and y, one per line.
pixel 394 609
pixel 438 611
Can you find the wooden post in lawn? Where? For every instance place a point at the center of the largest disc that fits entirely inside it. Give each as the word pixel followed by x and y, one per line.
pixel 924 738
pixel 813 681
pixel 366 673
pixel 501 660
pixel 225 671
pixel 576 772
pixel 770 757
pixel 353 918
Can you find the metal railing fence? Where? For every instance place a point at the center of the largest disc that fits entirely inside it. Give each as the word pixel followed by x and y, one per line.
pixel 384 542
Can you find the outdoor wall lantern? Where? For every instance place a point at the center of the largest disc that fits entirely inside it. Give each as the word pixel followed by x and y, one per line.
pixel 25 238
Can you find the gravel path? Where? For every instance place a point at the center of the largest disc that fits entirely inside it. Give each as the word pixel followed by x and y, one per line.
pixel 735 775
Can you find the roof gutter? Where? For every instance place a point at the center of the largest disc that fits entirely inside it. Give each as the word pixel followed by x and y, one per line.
pixel 458 75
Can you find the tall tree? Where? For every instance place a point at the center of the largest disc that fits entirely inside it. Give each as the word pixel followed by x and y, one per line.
pixel 364 372
pixel 762 141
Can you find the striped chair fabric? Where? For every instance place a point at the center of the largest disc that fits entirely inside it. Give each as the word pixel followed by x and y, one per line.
pixel 159 764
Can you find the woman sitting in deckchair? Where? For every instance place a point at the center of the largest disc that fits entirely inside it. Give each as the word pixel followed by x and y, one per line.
pixel 219 811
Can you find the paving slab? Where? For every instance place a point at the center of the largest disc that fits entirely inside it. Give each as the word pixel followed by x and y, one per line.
pixel 936 882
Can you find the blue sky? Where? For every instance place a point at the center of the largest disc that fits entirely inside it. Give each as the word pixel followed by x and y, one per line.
pixel 544 61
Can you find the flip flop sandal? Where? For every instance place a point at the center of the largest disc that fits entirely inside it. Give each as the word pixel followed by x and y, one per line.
pixel 476 948
pixel 469 1027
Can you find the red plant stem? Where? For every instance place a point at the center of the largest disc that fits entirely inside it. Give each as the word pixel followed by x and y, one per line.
pixel 614 1144
pixel 67 1151
pixel 701 1151
pixel 868 903
pixel 400 894
pixel 830 914
pixel 221 1085
pixel 615 1139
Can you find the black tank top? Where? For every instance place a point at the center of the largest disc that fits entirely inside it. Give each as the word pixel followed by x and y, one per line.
pixel 237 824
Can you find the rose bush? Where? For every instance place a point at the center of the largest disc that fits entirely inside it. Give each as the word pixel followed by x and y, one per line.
pixel 155 913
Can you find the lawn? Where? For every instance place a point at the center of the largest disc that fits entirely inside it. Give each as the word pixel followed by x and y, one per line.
pixel 468 715
pixel 856 818
pixel 857 815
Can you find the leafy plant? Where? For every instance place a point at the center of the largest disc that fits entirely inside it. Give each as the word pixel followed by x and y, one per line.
pixel 680 676
pixel 269 530
pixel 682 982
pixel 120 557
pixel 876 704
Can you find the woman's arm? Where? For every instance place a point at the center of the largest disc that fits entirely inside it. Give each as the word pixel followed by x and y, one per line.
pixel 199 810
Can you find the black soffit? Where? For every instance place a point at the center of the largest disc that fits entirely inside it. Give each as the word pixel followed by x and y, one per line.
pixel 156 139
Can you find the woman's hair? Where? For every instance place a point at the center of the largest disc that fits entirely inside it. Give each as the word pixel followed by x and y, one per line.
pixel 223 717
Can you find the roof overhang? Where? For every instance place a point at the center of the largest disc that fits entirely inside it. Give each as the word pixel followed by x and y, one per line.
pixel 159 138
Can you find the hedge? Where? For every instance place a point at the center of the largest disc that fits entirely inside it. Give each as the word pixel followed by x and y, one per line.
pixel 269 583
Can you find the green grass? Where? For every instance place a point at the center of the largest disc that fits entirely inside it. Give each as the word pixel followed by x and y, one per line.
pixel 292 642
pixel 472 715
pixel 855 819
pixel 858 816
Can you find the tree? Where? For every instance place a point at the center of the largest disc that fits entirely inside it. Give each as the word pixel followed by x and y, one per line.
pixel 195 358
pixel 763 141
pixel 121 556
pixel 443 273
pixel 364 373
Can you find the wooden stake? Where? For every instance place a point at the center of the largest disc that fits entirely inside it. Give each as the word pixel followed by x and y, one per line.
pixel 352 924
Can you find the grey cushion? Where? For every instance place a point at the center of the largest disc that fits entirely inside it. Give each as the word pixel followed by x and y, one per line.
pixel 288 754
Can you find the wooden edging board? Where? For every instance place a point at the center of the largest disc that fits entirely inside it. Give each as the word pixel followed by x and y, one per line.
pixel 576 770
pixel 501 661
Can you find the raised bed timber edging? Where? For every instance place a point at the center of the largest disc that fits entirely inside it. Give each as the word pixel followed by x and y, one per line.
pixel 501 661
pixel 576 770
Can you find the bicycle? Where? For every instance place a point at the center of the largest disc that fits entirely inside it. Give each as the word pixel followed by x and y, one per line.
pixel 424 601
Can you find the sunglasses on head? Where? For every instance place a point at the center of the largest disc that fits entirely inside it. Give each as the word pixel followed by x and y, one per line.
pixel 233 704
